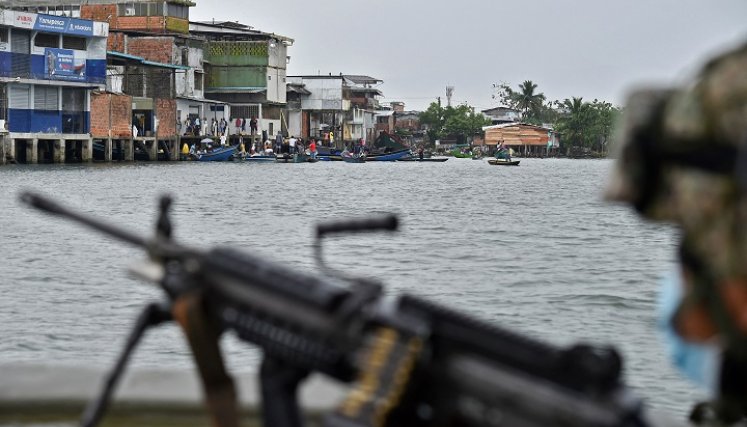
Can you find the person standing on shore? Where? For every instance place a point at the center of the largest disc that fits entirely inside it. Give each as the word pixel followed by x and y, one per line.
pixel 292 145
pixel 312 148
pixel 197 125
pixel 253 125
pixel 278 142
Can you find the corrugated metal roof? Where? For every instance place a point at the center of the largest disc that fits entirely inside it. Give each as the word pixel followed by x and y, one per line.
pixel 243 89
pixel 144 61
pixel 366 89
pixel 297 88
pixel 508 125
pixel 360 79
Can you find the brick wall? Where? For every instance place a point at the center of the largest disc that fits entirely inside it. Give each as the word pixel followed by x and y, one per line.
pixel 156 24
pixel 120 106
pixel 166 115
pixel 157 49
pixel 117 42
pixel 100 12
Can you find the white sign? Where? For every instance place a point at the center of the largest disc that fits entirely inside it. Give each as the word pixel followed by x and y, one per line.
pixel 24 20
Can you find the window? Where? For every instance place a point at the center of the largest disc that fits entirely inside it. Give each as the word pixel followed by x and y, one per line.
pixel 73 99
pixel 185 56
pixel 75 43
pixel 46 98
pixel 198 81
pixel 178 11
pixel 141 9
pixel 3 35
pixel 269 77
pixel 46 40
pixel 126 9
pixel 19 97
pixel 156 9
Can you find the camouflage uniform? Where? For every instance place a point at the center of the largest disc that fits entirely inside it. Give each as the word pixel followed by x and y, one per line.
pixel 682 158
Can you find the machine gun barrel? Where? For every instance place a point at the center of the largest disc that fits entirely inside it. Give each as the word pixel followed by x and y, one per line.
pixel 49 206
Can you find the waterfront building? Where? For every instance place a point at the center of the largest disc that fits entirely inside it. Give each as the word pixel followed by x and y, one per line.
pixel 344 104
pixel 246 69
pixel 407 120
pixel 527 139
pixel 49 66
pixel 499 115
pixel 298 120
pixel 154 60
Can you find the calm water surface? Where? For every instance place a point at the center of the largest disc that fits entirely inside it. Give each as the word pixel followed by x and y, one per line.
pixel 533 248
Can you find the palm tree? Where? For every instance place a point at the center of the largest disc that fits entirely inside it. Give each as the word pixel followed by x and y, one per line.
pixel 577 122
pixel 525 100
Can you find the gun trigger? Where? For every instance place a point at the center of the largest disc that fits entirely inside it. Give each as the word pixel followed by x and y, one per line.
pixel 148 271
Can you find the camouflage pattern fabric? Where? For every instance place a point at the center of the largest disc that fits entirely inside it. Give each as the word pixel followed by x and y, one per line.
pixel 682 158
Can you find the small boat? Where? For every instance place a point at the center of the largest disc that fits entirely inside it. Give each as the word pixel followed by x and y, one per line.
pixel 328 154
pixel 349 157
pixel 424 159
pixel 292 158
pixel 388 157
pixel 459 154
pixel 503 162
pixel 220 154
pixel 259 158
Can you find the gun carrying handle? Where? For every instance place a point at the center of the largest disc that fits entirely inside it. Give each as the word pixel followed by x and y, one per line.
pixel 203 336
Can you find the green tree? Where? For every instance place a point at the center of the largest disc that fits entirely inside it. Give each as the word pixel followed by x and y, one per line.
pixel 434 118
pixel 586 124
pixel 526 100
pixel 460 122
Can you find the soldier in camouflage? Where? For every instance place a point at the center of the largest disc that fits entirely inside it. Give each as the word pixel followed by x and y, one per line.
pixel 682 158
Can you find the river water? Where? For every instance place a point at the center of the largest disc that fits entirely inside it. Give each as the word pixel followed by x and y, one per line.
pixel 532 248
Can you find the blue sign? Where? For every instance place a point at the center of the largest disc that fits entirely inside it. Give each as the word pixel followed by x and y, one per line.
pixel 62 64
pixel 62 24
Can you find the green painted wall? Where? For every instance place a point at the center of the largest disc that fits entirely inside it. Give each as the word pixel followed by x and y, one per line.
pixel 236 64
pixel 218 77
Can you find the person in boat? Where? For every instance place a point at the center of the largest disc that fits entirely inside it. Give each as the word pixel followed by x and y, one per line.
pixel 503 152
pixel 682 159
pixel 268 149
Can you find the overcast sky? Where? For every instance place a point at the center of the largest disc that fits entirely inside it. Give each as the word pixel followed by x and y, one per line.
pixel 589 48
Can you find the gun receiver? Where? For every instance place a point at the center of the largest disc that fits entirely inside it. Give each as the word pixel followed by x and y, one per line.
pixel 412 362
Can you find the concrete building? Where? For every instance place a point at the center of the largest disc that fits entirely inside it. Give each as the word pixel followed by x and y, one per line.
pixel 343 104
pixel 246 69
pixel 154 60
pixel 499 115
pixel 49 65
